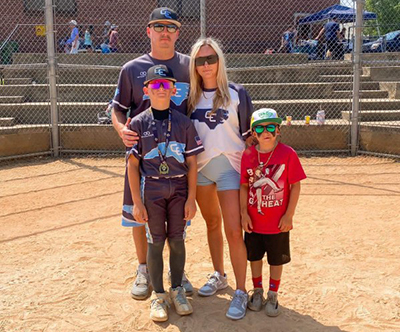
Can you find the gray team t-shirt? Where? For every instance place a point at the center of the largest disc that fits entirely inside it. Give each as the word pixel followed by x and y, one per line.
pixel 129 93
pixel 183 142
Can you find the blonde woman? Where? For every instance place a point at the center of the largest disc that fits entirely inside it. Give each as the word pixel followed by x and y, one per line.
pixel 221 114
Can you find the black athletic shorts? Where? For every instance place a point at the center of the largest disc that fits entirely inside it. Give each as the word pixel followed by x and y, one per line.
pixel 275 245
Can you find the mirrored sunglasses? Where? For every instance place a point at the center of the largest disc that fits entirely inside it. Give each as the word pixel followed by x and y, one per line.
pixel 259 129
pixel 210 59
pixel 159 27
pixel 157 84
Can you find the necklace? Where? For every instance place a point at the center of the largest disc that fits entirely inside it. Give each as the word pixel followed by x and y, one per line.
pixel 204 95
pixel 260 163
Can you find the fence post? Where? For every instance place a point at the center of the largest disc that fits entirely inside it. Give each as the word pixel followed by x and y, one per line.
pixel 203 22
pixel 356 78
pixel 51 70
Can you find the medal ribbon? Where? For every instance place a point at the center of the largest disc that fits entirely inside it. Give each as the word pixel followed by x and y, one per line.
pixel 167 136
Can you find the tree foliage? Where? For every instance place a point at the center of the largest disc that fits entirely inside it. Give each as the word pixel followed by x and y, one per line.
pixel 388 15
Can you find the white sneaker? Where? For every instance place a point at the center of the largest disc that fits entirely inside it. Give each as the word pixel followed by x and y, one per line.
pixel 215 282
pixel 141 287
pixel 182 304
pixel 159 307
pixel 272 308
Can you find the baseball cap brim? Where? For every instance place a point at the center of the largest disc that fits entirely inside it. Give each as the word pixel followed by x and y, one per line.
pixel 159 78
pixel 274 120
pixel 167 20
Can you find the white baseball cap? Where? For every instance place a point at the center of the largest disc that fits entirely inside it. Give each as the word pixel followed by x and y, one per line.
pixel 73 22
pixel 264 115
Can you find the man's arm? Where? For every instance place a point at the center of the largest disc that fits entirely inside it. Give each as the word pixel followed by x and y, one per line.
pixel 286 222
pixel 139 210
pixel 190 205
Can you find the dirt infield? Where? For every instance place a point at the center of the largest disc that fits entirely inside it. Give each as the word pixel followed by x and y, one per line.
pixel 67 264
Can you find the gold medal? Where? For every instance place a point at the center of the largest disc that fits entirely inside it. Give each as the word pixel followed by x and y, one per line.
pixel 163 169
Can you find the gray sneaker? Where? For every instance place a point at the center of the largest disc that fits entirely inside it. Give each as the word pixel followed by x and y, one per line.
pixel 214 283
pixel 237 308
pixel 272 308
pixel 141 286
pixel 256 300
pixel 188 287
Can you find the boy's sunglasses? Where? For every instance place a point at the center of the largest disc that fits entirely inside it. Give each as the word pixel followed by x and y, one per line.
pixel 210 59
pixel 159 27
pixel 157 84
pixel 260 129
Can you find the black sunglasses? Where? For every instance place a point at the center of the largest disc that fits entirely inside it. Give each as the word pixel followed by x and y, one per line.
pixel 259 129
pixel 159 27
pixel 210 59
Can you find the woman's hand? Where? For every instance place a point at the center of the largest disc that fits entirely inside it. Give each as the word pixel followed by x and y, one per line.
pixel 190 209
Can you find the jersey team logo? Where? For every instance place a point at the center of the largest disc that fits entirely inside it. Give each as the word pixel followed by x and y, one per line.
pixel 175 150
pixel 210 119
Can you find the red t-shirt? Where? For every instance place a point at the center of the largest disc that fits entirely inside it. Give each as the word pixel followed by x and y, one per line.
pixel 269 185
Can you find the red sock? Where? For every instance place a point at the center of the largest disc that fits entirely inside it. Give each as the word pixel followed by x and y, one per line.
pixel 274 284
pixel 257 282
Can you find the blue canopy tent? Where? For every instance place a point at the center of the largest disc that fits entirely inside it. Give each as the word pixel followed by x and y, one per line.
pixel 342 13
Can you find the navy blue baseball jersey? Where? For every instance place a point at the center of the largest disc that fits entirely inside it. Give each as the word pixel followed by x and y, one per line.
pixel 183 142
pixel 129 93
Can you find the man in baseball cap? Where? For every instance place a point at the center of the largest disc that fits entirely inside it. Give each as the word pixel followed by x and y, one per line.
pixel 163 31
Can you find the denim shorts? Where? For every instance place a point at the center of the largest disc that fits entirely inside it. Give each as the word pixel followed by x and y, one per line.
pixel 219 171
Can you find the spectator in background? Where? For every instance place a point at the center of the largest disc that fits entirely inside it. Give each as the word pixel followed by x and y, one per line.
pixel 113 36
pixel 72 44
pixel 88 43
pixel 106 32
pixel 343 34
pixel 288 40
pixel 331 31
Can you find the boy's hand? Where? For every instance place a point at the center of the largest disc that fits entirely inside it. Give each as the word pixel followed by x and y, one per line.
pixel 286 223
pixel 128 136
pixel 140 213
pixel 246 222
pixel 190 209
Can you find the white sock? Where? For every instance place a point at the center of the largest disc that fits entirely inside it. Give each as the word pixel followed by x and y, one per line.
pixel 142 268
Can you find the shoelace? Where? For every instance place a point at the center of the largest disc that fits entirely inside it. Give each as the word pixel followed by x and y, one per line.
pixel 141 279
pixel 212 279
pixel 180 296
pixel 158 303
pixel 237 300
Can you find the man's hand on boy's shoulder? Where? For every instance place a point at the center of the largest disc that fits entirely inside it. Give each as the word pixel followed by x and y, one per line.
pixel 247 224
pixel 190 209
pixel 129 137
pixel 286 223
pixel 140 213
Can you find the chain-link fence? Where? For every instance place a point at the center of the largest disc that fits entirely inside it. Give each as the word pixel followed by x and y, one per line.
pixel 331 69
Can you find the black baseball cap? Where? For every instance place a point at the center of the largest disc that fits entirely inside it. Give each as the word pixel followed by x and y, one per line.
pixel 164 14
pixel 158 72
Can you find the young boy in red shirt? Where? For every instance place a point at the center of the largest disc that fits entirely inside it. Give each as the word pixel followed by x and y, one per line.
pixel 270 188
